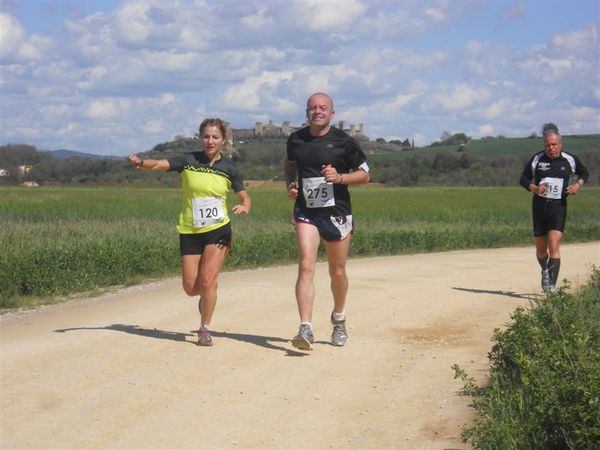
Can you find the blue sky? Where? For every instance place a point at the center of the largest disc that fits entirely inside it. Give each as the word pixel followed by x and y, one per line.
pixel 116 77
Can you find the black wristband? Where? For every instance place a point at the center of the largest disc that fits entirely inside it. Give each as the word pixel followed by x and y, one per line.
pixel 141 163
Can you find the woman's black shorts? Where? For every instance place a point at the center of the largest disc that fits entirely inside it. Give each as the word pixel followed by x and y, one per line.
pixel 193 244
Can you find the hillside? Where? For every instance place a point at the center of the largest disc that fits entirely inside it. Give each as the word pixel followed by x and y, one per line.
pixel 480 162
pixel 494 147
pixel 66 154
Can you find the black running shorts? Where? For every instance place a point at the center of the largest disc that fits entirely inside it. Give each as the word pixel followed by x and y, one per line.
pixel 193 244
pixel 331 228
pixel 548 215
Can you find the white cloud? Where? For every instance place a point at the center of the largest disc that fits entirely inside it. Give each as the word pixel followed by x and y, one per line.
pixel 170 61
pixel 167 99
pixel 515 11
pixel 258 21
pixel 153 127
pixel 436 14
pixel 12 36
pixel 460 96
pixel 547 70
pixel 67 129
pixel 15 47
pixel 486 130
pixel 106 109
pixel 326 17
pixel 255 91
pixel 576 40
pixel 132 24
pixel 114 78
pixel 194 38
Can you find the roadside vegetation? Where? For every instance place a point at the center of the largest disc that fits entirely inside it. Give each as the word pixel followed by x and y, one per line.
pixel 543 390
pixel 479 162
pixel 60 241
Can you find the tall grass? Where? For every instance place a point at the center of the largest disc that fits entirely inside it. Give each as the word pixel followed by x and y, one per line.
pixel 60 241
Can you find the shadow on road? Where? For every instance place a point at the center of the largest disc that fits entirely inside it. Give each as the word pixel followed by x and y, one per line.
pixel 134 329
pixel 261 341
pixel 504 293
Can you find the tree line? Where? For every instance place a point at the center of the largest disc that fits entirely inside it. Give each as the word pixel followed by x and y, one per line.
pixel 263 160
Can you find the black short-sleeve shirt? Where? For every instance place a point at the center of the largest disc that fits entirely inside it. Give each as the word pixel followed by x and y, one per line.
pixel 311 154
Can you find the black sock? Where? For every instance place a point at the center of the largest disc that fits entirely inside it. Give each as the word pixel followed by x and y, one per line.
pixel 554 268
pixel 543 262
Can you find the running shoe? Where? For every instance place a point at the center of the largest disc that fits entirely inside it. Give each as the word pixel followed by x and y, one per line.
pixel 204 338
pixel 304 339
pixel 546 280
pixel 339 335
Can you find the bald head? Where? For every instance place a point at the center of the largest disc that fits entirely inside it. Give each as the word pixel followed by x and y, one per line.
pixel 320 96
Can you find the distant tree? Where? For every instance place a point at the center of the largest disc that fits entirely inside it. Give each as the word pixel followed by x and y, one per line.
pixel 380 140
pixel 453 139
pixel 445 137
pixel 533 135
pixel 18 154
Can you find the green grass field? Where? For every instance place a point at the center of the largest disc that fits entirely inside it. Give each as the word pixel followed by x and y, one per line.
pixel 64 240
pixel 519 147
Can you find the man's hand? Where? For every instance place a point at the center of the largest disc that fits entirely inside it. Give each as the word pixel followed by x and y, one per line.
pixel 292 190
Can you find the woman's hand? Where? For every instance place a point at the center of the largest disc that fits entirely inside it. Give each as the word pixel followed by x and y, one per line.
pixel 244 205
pixel 136 161
pixel 240 210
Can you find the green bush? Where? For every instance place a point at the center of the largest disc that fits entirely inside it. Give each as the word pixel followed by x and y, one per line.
pixel 544 386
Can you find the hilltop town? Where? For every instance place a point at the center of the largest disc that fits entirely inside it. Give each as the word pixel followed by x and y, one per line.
pixel 285 129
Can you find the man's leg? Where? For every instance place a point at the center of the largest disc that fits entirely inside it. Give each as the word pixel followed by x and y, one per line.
pixel 308 240
pixel 541 253
pixel 554 237
pixel 337 255
pixel 541 247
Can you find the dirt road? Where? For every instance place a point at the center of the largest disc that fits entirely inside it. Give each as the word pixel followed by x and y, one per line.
pixel 123 370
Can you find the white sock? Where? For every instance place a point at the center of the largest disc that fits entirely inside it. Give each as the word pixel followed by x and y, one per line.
pixel 339 316
pixel 307 323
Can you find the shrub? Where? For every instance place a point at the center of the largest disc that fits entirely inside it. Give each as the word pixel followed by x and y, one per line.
pixel 544 386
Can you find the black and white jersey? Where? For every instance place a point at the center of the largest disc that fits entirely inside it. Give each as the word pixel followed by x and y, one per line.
pixel 311 154
pixel 555 173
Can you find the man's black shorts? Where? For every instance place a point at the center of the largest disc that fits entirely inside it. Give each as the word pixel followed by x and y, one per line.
pixel 548 215
pixel 193 244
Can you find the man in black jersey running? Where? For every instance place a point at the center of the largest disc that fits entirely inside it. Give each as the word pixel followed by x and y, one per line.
pixel 549 175
pixel 321 162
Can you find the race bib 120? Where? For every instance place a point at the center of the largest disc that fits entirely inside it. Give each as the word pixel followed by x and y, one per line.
pixel 207 211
